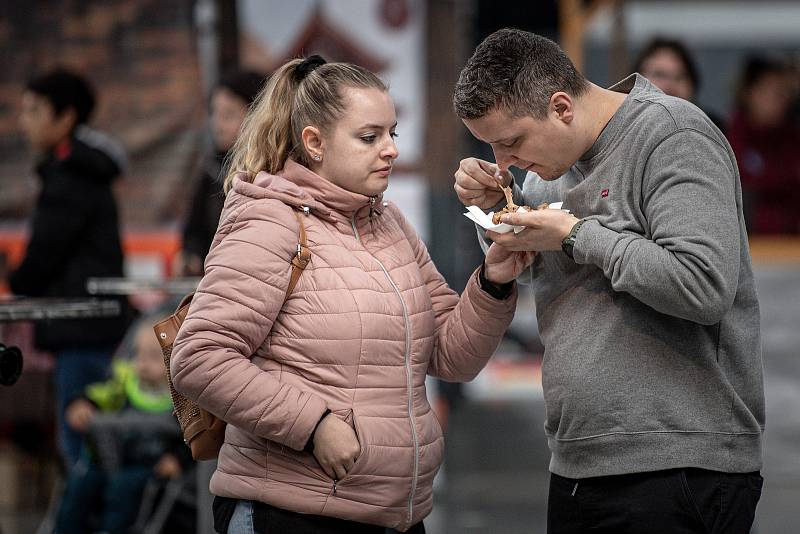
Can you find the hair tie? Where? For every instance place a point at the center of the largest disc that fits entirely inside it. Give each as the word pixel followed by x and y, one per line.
pixel 308 65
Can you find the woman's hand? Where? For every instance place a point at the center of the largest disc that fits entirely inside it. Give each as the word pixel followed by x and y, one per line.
pixel 336 447
pixel 502 265
pixel 80 414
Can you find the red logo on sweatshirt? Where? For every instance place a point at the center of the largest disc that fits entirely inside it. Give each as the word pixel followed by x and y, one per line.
pixel 604 193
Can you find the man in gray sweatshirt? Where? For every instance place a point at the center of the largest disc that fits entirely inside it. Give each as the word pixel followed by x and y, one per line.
pixel 645 296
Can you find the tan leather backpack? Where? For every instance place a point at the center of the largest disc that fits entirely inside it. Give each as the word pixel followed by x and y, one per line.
pixel 203 432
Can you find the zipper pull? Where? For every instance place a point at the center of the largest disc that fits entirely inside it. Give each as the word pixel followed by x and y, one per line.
pixel 372 201
pixel 334 486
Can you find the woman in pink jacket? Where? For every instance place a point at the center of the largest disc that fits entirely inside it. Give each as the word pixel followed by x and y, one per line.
pixel 329 428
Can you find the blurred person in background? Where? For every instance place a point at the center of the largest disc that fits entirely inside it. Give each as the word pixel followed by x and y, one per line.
pixel 142 447
pixel 329 427
pixel 74 233
pixel 230 101
pixel 670 66
pixel 645 294
pixel 765 135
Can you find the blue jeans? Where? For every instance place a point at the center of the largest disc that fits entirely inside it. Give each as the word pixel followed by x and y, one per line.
pixel 75 369
pixel 119 495
pixel 277 521
pixel 242 520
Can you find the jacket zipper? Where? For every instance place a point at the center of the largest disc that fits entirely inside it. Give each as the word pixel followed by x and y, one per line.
pixel 409 382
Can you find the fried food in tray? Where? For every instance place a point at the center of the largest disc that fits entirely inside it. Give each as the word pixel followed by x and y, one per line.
pixel 510 206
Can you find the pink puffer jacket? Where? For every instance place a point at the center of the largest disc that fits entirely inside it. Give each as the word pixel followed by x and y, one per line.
pixel 369 318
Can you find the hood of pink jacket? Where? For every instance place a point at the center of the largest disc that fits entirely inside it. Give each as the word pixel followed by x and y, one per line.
pixel 298 186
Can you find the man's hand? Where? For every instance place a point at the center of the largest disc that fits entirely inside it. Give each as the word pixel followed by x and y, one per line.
pixel 545 230
pixel 336 447
pixel 475 183
pixel 80 414
pixel 502 265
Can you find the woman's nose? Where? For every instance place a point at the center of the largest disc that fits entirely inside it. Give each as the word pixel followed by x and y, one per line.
pixel 390 150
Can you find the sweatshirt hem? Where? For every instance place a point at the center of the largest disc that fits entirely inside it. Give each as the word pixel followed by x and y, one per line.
pixel 637 452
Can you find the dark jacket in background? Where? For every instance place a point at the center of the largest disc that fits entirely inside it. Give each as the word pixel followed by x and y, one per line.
pixel 205 209
pixel 74 236
pixel 769 164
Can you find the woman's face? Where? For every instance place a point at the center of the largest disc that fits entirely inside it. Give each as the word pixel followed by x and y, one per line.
pixel 227 114
pixel 666 70
pixel 358 152
pixel 768 100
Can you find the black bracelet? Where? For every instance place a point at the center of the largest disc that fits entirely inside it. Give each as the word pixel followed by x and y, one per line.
pixel 498 291
pixel 310 443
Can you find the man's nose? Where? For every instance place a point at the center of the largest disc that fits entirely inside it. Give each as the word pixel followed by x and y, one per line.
pixel 503 159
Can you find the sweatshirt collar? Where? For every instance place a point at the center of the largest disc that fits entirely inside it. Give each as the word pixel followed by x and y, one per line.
pixel 631 85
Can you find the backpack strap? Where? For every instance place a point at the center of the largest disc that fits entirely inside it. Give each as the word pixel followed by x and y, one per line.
pixel 301 257
pixel 167 330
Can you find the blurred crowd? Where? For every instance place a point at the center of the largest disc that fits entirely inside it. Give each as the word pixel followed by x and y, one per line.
pixel 109 376
pixel 763 128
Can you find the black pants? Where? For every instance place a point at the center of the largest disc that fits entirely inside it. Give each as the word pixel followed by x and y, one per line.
pixel 268 519
pixel 675 501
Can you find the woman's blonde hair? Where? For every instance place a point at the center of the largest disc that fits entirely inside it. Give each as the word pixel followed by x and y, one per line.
pixel 300 93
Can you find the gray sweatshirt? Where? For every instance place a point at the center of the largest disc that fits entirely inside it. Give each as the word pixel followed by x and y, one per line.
pixel 652 345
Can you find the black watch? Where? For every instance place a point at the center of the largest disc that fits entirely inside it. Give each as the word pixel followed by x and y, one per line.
pixel 568 243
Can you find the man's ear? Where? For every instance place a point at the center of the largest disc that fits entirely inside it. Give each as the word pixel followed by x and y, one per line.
pixel 312 141
pixel 562 106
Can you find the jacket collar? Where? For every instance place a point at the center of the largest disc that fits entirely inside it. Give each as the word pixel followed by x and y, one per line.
pixel 326 192
pixel 300 187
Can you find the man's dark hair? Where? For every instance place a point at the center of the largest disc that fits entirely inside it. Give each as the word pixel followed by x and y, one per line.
pixel 65 90
pixel 516 71
pixel 245 84
pixel 658 44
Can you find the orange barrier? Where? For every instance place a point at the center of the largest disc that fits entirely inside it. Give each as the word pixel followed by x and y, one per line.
pixel 155 248
pixel 777 249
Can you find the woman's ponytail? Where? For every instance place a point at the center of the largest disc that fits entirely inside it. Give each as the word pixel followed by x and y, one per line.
pixel 265 141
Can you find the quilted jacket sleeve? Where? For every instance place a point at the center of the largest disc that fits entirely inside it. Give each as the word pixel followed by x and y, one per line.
pixel 246 277
pixel 468 329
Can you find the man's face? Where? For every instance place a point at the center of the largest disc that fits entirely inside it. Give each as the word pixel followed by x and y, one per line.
pixel 227 114
pixel 546 146
pixel 42 127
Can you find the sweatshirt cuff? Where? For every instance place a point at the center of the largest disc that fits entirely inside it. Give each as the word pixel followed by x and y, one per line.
pixel 592 243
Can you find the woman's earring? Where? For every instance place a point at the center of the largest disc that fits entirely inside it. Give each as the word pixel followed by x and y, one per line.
pixel 316 157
